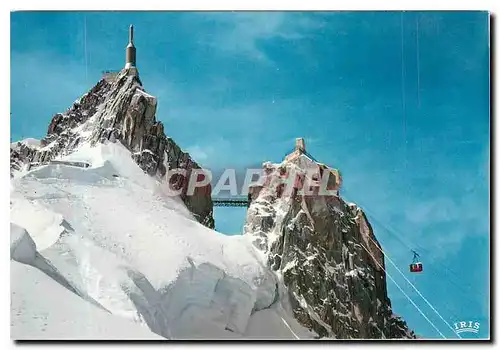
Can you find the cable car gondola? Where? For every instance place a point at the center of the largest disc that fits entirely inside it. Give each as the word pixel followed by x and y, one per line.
pixel 416 266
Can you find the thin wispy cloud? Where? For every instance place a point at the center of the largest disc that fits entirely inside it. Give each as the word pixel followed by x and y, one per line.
pixel 244 32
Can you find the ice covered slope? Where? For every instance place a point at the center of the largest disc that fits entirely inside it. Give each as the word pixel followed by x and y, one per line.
pixel 43 309
pixel 130 261
pixel 44 305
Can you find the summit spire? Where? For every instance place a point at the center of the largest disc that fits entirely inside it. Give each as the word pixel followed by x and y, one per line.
pixel 130 50
pixel 131 34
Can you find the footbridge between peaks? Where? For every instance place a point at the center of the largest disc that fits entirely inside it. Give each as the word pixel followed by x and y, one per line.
pixel 235 201
pixel 244 201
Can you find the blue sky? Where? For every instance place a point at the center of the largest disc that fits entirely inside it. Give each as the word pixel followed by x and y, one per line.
pixel 235 89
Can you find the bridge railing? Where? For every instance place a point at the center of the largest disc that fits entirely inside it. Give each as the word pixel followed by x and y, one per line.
pixel 236 201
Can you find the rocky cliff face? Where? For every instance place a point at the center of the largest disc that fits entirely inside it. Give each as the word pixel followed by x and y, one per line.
pixel 327 256
pixel 118 110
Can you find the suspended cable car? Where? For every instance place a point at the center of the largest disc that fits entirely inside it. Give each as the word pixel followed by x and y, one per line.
pixel 416 266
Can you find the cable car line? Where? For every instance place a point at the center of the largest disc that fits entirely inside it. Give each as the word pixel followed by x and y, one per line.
pixel 397 235
pixel 402 291
pixel 403 95
pixel 413 286
pixel 392 262
pixel 415 266
pixel 373 217
pixel 418 63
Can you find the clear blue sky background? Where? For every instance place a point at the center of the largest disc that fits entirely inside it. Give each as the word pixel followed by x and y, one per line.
pixel 235 89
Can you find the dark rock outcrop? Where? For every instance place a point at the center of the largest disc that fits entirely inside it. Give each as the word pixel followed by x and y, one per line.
pixel 118 110
pixel 328 257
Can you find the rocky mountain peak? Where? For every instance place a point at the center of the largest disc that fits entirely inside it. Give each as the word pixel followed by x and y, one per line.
pixel 324 250
pixel 117 109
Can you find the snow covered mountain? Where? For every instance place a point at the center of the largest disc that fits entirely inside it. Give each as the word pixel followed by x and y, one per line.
pixel 100 251
pixel 113 110
pixel 107 235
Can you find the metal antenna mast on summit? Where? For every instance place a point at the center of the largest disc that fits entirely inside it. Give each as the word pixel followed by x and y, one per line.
pixel 130 54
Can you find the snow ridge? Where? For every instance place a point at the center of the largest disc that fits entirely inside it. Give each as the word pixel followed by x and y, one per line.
pixel 115 242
